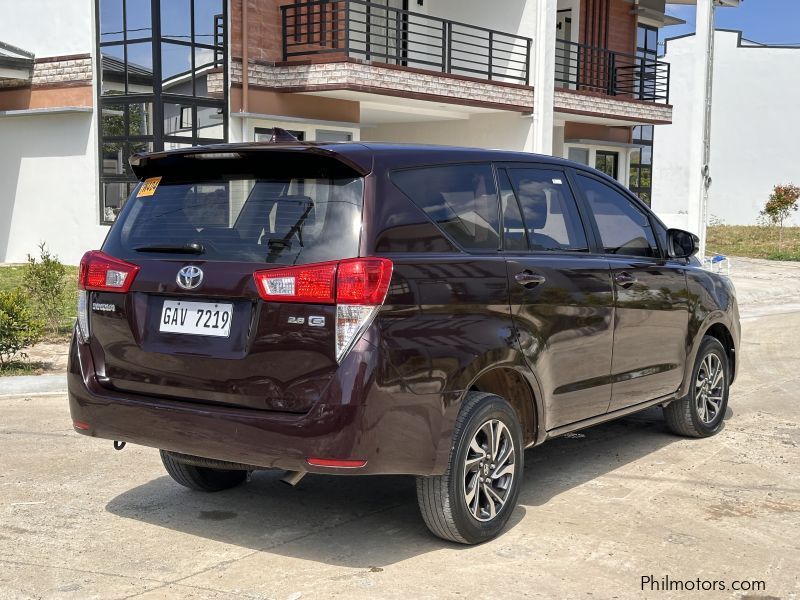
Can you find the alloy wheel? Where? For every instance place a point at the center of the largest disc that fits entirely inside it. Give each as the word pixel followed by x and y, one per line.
pixel 489 470
pixel 709 388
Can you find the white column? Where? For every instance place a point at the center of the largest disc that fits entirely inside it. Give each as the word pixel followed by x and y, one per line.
pixel 543 72
pixel 699 150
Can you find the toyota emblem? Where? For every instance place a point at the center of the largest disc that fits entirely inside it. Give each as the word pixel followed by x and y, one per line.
pixel 189 277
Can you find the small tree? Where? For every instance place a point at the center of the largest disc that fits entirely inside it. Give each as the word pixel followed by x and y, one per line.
pixel 781 204
pixel 19 328
pixel 45 281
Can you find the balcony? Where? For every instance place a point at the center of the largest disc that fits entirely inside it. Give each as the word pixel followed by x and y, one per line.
pixel 335 30
pixel 626 76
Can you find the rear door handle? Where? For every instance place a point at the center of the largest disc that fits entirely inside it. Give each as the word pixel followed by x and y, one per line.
pixel 529 279
pixel 624 279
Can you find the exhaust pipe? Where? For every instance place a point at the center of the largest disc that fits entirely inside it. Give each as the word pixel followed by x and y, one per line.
pixel 292 478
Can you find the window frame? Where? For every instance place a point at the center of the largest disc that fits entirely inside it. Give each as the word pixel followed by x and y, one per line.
pixel 637 202
pixel 157 96
pixel 591 242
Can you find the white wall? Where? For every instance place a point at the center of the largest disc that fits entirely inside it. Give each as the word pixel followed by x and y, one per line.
pixel 502 131
pixel 755 129
pixel 48 186
pixel 48 27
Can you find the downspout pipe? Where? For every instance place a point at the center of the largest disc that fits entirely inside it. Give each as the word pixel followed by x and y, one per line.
pixel 245 70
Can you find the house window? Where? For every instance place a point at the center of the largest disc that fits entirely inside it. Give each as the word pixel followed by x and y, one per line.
pixel 186 117
pixel 163 84
pixel 641 167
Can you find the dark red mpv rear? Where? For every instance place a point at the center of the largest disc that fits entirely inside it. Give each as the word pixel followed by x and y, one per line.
pixel 376 309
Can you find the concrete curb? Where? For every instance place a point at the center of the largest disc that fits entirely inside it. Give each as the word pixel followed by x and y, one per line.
pixel 33 385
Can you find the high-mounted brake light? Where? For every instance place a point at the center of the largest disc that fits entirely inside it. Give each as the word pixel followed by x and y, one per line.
pixel 357 286
pixel 103 273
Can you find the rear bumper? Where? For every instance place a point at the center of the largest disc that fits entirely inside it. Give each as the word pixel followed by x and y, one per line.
pixel 358 419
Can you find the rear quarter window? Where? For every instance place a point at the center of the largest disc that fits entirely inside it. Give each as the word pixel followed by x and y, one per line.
pixel 461 199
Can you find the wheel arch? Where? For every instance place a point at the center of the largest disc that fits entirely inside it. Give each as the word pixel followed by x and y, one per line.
pixel 519 391
pixel 715 327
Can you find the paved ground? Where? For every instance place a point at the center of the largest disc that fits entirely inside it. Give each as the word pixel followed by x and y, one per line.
pixel 598 510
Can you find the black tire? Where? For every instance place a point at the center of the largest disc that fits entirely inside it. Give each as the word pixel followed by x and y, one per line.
pixel 203 479
pixel 443 498
pixel 684 416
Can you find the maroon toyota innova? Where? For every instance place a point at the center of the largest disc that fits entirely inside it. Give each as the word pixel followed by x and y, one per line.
pixel 356 309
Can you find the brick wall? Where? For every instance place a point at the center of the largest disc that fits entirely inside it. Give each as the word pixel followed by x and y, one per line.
pixel 263 29
pixel 583 103
pixel 387 80
pixel 62 69
pixel 608 24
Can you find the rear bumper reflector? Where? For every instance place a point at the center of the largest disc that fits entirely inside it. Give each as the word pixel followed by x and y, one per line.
pixel 332 462
pixel 80 425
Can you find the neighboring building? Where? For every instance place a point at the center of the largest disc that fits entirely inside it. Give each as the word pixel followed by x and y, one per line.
pixel 754 129
pixel 84 84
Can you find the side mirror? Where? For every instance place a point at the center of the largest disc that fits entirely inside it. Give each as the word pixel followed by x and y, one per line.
pixel 682 244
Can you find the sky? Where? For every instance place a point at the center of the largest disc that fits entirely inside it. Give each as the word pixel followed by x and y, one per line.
pixel 765 21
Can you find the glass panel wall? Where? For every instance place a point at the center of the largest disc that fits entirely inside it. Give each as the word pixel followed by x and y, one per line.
pixel 163 84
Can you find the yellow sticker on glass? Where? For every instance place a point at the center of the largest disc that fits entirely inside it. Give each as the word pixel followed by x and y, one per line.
pixel 148 187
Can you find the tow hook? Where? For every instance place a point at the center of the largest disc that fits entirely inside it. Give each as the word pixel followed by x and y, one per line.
pixel 118 445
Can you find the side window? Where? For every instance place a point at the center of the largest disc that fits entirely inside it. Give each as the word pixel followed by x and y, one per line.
pixel 514 237
pixel 549 210
pixel 460 199
pixel 624 228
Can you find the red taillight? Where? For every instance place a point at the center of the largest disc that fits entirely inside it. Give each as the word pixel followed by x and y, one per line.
pixel 310 283
pixel 363 281
pixel 352 281
pixel 333 462
pixel 103 273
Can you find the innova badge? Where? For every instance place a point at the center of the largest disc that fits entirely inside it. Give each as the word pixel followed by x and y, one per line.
pixel 189 277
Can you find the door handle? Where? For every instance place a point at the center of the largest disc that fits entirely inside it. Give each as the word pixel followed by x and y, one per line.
pixel 624 279
pixel 529 279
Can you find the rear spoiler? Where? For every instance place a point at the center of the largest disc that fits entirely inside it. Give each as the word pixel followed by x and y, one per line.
pixel 285 159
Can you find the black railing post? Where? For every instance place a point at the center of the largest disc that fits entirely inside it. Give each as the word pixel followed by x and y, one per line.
pixel 528 44
pixel 398 50
pixel 347 27
pixel 445 59
pixel 668 81
pixel 577 67
pixel 611 73
pixel 285 32
pixel 491 50
pixel 323 36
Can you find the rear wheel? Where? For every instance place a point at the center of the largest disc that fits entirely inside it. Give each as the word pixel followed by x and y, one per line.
pixel 473 500
pixel 203 479
pixel 701 411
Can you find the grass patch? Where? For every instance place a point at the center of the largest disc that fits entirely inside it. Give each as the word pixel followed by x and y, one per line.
pixel 22 367
pixel 754 241
pixel 11 277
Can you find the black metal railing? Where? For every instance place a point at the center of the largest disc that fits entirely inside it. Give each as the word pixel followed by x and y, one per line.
pixel 357 28
pixel 582 67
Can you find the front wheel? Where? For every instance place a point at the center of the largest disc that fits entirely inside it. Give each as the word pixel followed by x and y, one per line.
pixel 700 413
pixel 473 500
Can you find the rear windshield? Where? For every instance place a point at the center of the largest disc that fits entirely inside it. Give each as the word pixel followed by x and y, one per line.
pixel 280 221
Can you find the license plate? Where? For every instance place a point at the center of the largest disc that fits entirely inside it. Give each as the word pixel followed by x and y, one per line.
pixel 196 318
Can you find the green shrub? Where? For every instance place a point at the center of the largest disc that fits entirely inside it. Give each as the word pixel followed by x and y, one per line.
pixel 19 327
pixel 45 281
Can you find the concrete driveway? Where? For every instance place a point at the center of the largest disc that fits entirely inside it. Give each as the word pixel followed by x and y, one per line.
pixel 598 511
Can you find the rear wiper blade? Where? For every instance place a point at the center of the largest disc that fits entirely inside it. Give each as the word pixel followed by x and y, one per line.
pixel 191 248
